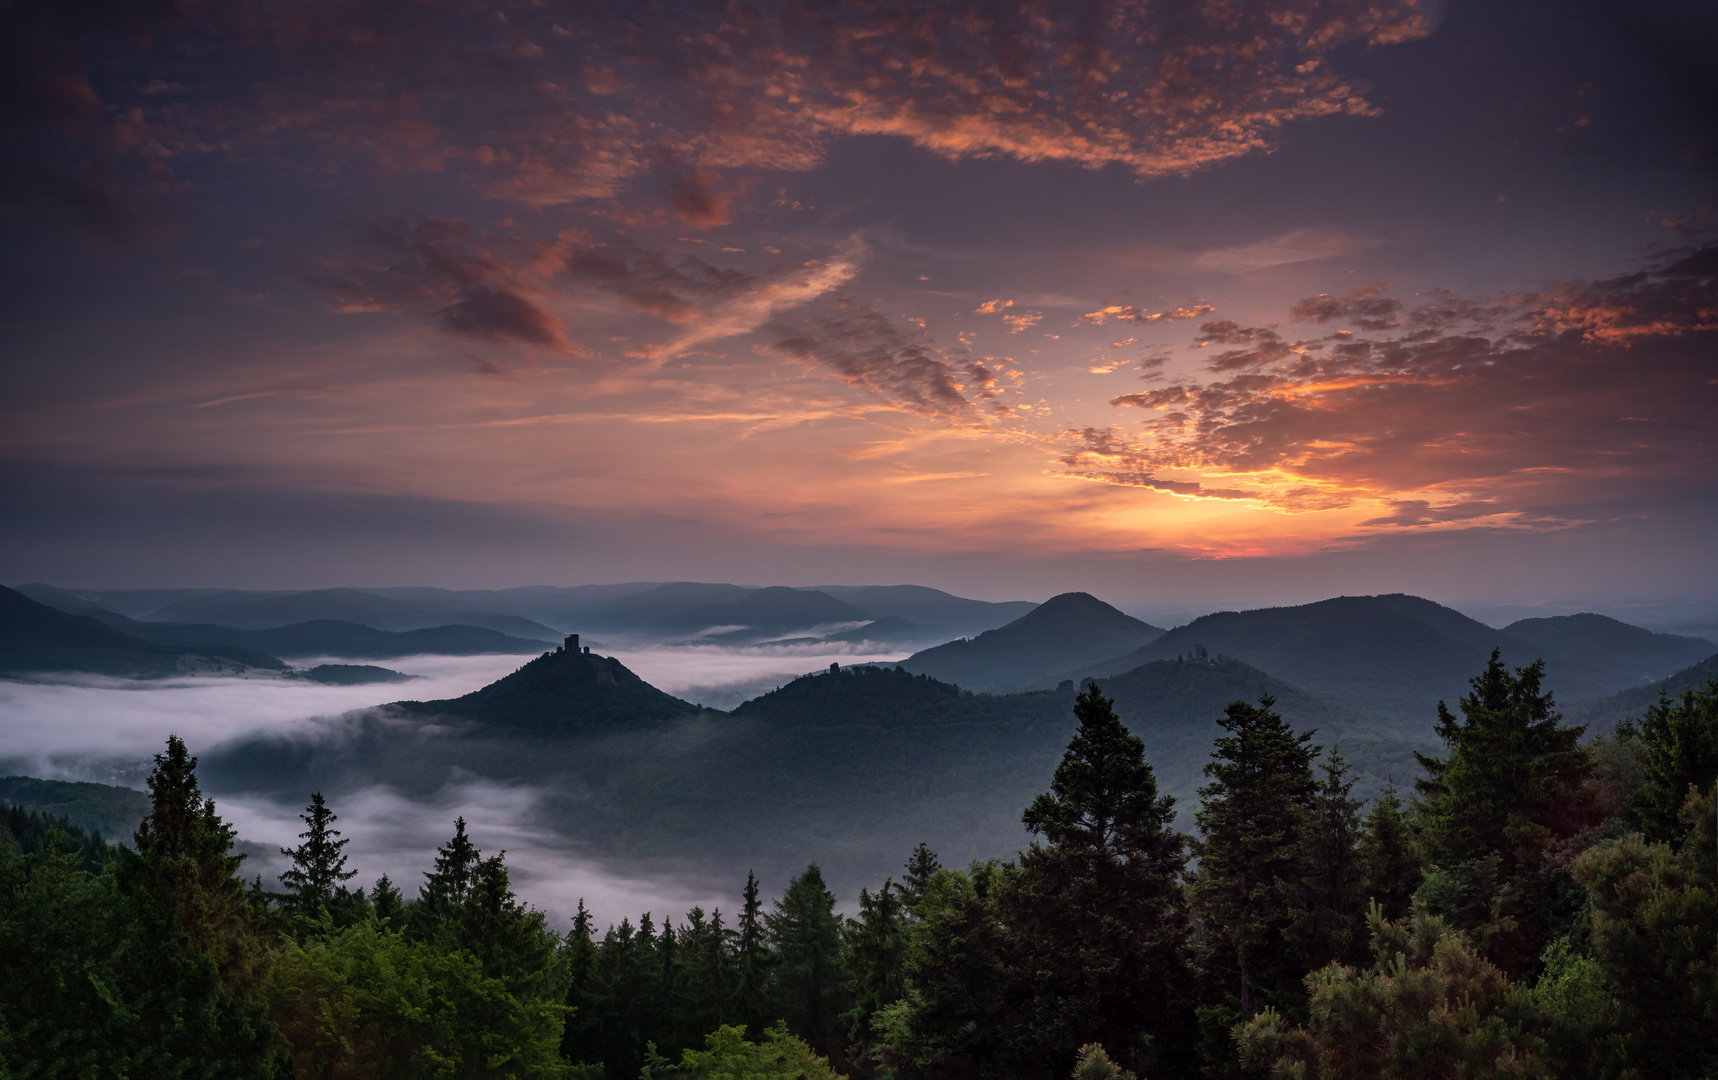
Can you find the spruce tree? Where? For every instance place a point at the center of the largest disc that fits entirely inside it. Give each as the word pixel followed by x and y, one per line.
pixel 1389 857
pixel 877 950
pixel 185 861
pixel 1330 892
pixel 1679 737
pixel 319 863
pixel 445 887
pixel 1514 780
pixel 806 936
pixel 387 903
pixel 1095 916
pixel 1252 820
pixel 922 865
pixel 754 999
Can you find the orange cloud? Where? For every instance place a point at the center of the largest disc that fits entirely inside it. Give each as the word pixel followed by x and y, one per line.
pixel 1139 315
pixel 1496 410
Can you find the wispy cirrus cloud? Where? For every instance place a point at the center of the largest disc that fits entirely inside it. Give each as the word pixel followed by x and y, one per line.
pixel 432 266
pixel 868 350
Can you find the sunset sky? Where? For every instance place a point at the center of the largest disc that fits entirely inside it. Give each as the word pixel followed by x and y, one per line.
pixel 1243 301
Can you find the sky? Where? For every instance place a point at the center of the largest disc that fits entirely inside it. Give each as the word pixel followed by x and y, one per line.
pixel 1185 302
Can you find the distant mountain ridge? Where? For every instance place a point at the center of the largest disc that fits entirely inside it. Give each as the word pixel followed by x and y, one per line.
pixel 1395 654
pixel 37 638
pixel 891 614
pixel 1031 651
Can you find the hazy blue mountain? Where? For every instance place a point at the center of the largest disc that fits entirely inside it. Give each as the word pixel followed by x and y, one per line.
pixel 331 637
pixel 38 638
pixel 1394 656
pixel 1593 655
pixel 112 811
pixel 942 615
pixel 353 675
pixel 1064 631
pixel 1601 715
pixel 640 611
pixel 566 608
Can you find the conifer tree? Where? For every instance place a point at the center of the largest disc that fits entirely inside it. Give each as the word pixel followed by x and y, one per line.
pixel 1095 913
pixel 1514 780
pixel 319 863
pixel 806 936
pixel 1679 738
pixel 1330 889
pixel 386 902
pixel 185 860
pixel 1252 820
pixel 445 887
pixel 1389 858
pixel 922 865
pixel 877 948
pixel 754 1000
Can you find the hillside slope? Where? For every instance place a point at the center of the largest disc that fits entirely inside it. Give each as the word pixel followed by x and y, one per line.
pixel 38 638
pixel 1601 715
pixel 1064 631
pixel 562 693
pixel 1594 655
pixel 1392 656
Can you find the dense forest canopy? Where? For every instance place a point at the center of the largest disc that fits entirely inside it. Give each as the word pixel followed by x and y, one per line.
pixel 1542 904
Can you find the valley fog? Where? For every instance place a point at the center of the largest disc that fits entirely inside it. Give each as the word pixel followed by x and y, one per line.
pixel 105 730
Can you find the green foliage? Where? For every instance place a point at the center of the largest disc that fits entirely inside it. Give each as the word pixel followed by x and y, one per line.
pixel 1095 916
pixel 954 1018
pixel 1093 1063
pixel 1429 1007
pixel 922 865
pixel 1514 781
pixel 94 808
pixel 318 864
pixel 1253 824
pixel 369 1001
pixel 727 1055
pixel 876 958
pixel 1389 856
pixel 1329 895
pixel 149 965
pixel 1654 912
pixel 1679 740
pixel 809 967
pixel 34 831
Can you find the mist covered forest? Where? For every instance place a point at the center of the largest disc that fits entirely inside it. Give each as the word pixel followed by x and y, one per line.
pixel 1540 904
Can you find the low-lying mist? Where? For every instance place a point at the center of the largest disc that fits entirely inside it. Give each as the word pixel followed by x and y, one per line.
pixel 721 677
pixel 105 730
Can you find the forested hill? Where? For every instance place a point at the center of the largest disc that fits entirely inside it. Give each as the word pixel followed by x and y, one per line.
pixel 1601 715
pixel 1065 631
pixel 37 638
pixel 1174 705
pixel 562 693
pixel 1591 655
pixel 333 637
pixel 112 811
pixel 1395 656
pixel 846 767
